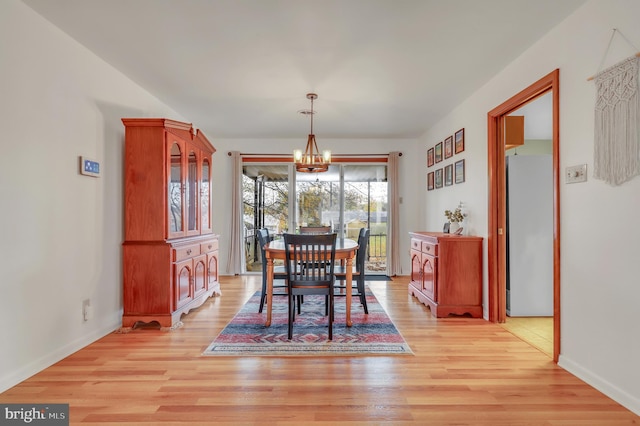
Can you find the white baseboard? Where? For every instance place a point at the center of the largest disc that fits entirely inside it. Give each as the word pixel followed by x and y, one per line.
pixel 51 358
pixel 621 397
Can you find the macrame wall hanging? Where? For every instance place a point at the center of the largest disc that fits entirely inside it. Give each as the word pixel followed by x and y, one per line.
pixel 617 120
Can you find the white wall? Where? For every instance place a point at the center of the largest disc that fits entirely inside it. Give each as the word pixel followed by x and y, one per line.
pixel 60 232
pixel 411 181
pixel 599 226
pixel 532 147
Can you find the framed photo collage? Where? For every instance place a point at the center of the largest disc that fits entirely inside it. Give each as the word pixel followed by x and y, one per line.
pixel 446 175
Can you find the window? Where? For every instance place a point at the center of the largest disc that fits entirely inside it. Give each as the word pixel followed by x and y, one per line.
pixel 347 198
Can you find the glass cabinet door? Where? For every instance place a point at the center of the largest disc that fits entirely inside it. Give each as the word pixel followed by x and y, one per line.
pixel 175 191
pixel 205 197
pixel 191 194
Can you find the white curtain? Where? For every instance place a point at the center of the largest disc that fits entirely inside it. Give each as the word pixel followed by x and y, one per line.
pixel 235 264
pixel 617 113
pixel 393 233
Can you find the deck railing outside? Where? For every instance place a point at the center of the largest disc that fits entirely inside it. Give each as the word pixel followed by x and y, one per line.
pixel 376 252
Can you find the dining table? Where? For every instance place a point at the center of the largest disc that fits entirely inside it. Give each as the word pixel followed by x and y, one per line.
pixel 346 250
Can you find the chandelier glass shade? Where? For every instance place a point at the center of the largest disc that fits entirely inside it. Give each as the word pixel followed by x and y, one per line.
pixel 311 161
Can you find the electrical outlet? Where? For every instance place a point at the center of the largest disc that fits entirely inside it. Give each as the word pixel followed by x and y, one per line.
pixel 87 310
pixel 576 174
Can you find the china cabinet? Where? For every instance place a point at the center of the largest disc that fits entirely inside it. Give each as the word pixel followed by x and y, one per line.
pixel 446 273
pixel 170 254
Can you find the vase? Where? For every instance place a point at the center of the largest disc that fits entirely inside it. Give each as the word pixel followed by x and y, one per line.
pixel 453 227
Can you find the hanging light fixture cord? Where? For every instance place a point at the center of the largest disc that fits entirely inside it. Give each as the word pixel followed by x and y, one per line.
pixel 311 96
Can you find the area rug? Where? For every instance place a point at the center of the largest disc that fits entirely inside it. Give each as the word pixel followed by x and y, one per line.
pixel 373 277
pixel 372 334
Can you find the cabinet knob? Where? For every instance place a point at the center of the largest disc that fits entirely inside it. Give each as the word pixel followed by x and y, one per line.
pixel 188 251
pixel 210 245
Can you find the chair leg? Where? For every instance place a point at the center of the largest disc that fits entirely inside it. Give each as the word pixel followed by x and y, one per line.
pixel 292 312
pixel 263 297
pixel 363 296
pixel 330 317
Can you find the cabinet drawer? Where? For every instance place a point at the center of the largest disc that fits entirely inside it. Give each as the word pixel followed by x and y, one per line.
pixel 416 244
pixel 209 246
pixel 186 252
pixel 429 248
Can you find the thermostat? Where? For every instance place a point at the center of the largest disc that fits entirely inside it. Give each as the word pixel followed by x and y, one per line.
pixel 89 167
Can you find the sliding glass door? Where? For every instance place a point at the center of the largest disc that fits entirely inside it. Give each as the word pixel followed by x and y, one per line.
pixel 365 205
pixel 318 199
pixel 347 197
pixel 265 199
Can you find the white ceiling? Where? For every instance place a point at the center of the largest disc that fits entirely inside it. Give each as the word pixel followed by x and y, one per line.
pixel 242 68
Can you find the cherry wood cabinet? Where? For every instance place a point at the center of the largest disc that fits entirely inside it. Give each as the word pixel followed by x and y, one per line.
pixel 513 131
pixel 170 254
pixel 446 273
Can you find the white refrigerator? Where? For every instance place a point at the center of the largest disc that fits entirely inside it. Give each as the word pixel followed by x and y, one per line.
pixel 529 235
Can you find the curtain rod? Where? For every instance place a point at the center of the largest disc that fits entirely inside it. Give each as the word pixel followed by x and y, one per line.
pixel 244 154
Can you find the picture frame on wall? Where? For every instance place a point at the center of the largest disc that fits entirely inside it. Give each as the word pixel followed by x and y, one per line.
pixel 429 181
pixel 459 170
pixel 438 178
pixel 448 147
pixel 438 152
pixel 448 175
pixel 459 141
pixel 430 157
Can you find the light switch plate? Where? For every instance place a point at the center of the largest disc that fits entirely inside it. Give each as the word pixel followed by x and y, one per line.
pixel 89 167
pixel 575 174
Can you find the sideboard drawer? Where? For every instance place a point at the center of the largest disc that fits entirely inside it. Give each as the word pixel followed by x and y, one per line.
pixel 186 252
pixel 429 248
pixel 416 244
pixel 209 246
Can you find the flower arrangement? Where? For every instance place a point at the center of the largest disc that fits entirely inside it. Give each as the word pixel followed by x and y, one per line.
pixel 455 216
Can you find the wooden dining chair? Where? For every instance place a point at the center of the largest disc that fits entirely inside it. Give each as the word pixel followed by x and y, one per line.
pixel 357 270
pixel 315 229
pixel 310 270
pixel 279 272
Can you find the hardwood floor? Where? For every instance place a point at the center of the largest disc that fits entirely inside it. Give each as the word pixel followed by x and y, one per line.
pixel 465 372
pixel 536 331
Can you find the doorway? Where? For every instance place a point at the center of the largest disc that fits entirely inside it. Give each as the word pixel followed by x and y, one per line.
pixel 497 242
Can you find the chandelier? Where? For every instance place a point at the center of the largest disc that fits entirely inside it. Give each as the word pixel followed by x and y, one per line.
pixel 311 161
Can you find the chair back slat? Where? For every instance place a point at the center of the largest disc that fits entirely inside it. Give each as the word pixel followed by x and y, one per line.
pixel 315 229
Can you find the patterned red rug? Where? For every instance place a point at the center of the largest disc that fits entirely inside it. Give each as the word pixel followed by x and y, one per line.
pixel 370 334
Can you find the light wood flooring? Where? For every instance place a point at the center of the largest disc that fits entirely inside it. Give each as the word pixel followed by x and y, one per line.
pixel 536 331
pixel 465 372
